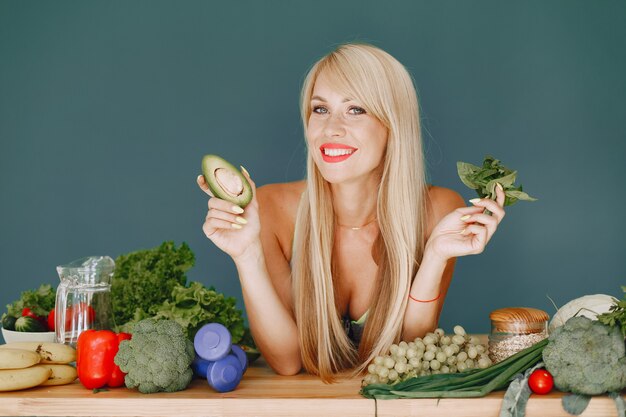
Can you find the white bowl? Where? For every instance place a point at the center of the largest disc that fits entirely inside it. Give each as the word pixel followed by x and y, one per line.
pixel 11 336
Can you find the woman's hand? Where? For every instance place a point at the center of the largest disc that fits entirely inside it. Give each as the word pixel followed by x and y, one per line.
pixel 467 230
pixel 231 228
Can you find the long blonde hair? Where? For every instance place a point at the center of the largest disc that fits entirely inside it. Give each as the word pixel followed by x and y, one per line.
pixel 384 87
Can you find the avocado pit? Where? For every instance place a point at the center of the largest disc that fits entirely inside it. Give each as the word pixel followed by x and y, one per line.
pixel 228 181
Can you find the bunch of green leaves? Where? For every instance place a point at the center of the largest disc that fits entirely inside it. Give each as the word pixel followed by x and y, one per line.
pixel 484 179
pixel 468 384
pixel 616 316
pixel 194 306
pixel 146 278
pixel 40 301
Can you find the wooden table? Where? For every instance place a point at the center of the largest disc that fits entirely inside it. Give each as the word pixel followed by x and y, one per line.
pixel 263 393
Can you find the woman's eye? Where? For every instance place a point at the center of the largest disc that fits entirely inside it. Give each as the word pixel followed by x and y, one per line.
pixel 356 110
pixel 320 109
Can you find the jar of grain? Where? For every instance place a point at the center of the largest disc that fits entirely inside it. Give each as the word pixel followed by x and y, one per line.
pixel 514 329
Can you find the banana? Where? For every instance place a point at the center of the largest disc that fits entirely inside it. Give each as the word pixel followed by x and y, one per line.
pixel 18 358
pixel 15 379
pixel 50 352
pixel 61 374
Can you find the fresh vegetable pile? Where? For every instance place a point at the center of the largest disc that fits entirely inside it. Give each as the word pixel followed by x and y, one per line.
pixel 33 312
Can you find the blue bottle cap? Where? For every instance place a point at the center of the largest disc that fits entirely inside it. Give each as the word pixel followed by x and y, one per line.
pixel 241 355
pixel 212 342
pixel 200 366
pixel 225 374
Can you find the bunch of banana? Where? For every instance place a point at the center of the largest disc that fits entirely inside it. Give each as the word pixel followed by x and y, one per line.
pixel 30 364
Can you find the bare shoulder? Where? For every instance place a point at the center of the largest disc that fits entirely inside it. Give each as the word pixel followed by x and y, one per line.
pixel 278 206
pixel 442 202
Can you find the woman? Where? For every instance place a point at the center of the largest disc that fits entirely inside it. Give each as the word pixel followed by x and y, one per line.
pixel 336 268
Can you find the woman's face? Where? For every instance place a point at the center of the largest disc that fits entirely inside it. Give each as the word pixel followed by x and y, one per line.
pixel 346 142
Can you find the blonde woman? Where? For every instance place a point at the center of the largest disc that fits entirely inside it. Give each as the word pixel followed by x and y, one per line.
pixel 360 254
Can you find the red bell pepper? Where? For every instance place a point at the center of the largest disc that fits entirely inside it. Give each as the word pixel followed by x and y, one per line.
pixel 95 352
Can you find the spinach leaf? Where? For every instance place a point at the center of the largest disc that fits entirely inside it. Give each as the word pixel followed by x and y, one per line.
pixel 484 178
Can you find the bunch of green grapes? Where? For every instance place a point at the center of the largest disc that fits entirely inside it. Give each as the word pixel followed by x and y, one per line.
pixel 435 353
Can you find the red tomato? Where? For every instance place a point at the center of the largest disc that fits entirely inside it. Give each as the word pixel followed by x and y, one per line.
pixel 51 320
pixel 26 312
pixel 79 312
pixel 541 381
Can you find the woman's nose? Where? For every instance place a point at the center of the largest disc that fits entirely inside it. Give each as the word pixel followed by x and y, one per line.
pixel 334 126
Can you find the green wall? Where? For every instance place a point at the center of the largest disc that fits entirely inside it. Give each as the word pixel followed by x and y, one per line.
pixel 106 109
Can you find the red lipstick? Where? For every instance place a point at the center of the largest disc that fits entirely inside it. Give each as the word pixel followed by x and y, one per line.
pixel 336 152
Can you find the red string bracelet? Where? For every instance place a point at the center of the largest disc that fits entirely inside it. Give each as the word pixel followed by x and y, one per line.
pixel 424 301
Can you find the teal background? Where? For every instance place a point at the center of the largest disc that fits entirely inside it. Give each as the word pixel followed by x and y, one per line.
pixel 106 109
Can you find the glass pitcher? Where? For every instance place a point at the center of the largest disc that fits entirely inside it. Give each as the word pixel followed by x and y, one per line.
pixel 83 299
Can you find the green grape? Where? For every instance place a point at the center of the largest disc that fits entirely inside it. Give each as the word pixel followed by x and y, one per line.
pixel 404 345
pixel 483 363
pixel 389 363
pixel 461 366
pixel 411 353
pixel 472 352
pixel 429 356
pixel 400 367
pixel 455 347
pixel 458 339
pixel 401 359
pixel 371 368
pixel 451 360
pixel 393 349
pixel 458 330
pixel 378 360
pixel 435 364
pixel 441 357
pixel 429 339
pixel 425 365
pixel 448 351
pixel 432 348
pixel 393 375
pixel 401 351
pixel 445 340
pixel 469 363
pixel 445 369
pixel 414 362
pixel 461 357
pixel 420 344
pixel 383 372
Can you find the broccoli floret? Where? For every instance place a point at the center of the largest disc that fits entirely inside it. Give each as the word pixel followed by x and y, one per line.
pixel 586 357
pixel 157 357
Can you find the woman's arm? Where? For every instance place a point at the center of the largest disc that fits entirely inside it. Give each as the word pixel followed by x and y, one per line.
pixel 459 231
pixel 239 234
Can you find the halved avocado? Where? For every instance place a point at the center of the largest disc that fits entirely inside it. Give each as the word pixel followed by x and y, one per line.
pixel 225 181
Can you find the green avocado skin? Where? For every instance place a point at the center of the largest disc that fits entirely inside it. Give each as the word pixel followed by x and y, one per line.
pixel 212 162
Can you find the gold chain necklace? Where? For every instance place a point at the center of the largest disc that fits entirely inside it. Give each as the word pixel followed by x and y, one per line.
pixel 357 227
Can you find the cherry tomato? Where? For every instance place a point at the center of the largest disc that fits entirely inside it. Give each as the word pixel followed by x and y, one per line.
pixel 541 381
pixel 51 320
pixel 81 312
pixel 27 312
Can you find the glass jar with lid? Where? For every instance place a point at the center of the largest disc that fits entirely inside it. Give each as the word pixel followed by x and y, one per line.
pixel 514 329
